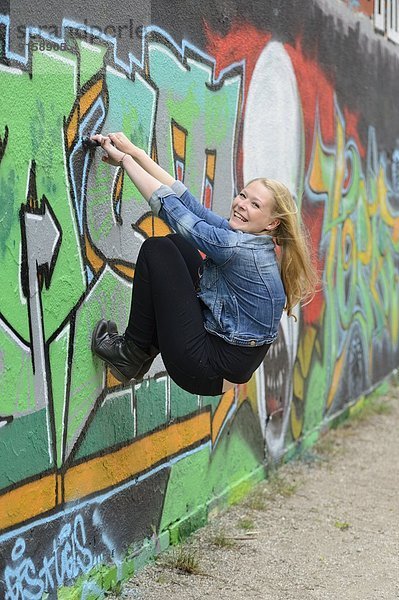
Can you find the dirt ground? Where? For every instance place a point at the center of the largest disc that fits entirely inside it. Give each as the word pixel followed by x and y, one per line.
pixel 325 527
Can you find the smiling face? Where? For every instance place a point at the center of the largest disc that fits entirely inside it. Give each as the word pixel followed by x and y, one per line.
pixel 252 210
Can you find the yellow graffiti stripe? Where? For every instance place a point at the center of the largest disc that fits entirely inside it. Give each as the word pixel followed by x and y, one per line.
pixel 96 262
pixel 296 418
pixel 379 191
pixel 72 128
pixel 210 166
pixel 307 345
pixel 221 412
pixel 154 226
pixel 27 501
pixel 365 255
pixel 380 202
pixel 88 98
pixel 85 102
pixel 375 272
pixel 298 383
pixel 336 378
pixel 124 270
pixel 179 141
pixel 316 179
pixel 111 380
pixel 98 474
pixel 118 186
pixel 336 199
pixel 248 392
pixel 348 231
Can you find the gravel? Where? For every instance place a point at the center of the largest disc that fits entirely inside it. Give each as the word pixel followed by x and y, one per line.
pixel 324 527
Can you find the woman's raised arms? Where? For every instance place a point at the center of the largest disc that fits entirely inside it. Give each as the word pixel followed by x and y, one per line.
pixel 123 144
pixel 145 182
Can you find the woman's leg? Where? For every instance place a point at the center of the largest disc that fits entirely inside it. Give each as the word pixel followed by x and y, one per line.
pixel 141 326
pixel 164 303
pixel 130 356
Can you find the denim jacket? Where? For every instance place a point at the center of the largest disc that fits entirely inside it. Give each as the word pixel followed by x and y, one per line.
pixel 240 284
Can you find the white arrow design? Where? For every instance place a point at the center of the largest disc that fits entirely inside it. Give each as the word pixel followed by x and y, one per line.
pixel 42 236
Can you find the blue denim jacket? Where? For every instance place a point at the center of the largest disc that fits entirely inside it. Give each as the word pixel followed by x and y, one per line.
pixel 240 283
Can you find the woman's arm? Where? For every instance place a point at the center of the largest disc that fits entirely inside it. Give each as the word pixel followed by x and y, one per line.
pixel 125 146
pixel 145 182
pixel 196 207
pixel 219 243
pixel 122 143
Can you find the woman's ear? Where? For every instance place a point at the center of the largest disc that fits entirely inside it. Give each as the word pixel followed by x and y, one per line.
pixel 273 225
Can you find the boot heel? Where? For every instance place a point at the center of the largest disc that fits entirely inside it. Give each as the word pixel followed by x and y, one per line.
pixel 117 374
pixel 123 357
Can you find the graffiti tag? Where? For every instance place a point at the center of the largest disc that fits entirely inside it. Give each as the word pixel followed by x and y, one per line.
pixel 69 557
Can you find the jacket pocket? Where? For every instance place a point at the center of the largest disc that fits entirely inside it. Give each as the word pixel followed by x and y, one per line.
pixel 228 315
pixel 209 275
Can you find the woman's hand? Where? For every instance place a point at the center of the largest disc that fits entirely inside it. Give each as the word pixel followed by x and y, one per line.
pixel 135 157
pixel 123 144
pixel 112 155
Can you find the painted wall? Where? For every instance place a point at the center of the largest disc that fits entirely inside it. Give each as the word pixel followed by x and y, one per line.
pixel 95 476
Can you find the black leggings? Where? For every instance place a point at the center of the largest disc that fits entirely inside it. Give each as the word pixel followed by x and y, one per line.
pixel 166 313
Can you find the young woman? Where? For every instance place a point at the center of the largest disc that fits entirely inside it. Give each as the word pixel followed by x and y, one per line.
pixel 213 320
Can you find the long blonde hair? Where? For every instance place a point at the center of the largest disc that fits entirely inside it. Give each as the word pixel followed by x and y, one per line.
pixel 297 271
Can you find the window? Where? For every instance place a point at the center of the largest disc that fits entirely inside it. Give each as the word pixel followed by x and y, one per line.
pixel 379 15
pixel 386 18
pixel 393 20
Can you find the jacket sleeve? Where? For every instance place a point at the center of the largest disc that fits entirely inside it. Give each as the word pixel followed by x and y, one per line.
pixel 196 207
pixel 201 227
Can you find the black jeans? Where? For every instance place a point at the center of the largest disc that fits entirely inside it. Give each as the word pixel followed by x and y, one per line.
pixel 167 314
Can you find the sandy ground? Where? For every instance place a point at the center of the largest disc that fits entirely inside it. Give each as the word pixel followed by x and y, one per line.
pixel 325 527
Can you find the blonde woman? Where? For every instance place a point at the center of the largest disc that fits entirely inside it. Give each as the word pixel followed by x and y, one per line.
pixel 213 320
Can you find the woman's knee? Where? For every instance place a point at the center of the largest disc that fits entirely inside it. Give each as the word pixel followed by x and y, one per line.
pixel 155 246
pixel 162 257
pixel 155 241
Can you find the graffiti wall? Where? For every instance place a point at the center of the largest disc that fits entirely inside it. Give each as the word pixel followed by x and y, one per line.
pixel 96 476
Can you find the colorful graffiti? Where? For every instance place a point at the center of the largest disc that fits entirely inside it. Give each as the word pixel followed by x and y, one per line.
pixel 69 558
pixel 72 233
pixel 81 454
pixel 70 255
pixel 355 342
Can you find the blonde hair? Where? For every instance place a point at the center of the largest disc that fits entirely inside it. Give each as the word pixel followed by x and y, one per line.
pixel 297 271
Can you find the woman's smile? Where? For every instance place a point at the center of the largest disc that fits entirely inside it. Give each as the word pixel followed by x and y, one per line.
pixel 236 215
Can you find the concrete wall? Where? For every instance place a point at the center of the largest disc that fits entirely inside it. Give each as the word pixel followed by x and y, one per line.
pixel 96 477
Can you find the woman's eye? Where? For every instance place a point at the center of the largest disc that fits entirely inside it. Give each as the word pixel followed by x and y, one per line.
pixel 255 204
pixel 242 195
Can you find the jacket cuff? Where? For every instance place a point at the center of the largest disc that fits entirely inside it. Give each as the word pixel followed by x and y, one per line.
pixel 179 188
pixel 155 200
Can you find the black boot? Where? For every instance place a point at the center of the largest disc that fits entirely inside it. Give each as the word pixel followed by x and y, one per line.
pixel 152 353
pixel 125 359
